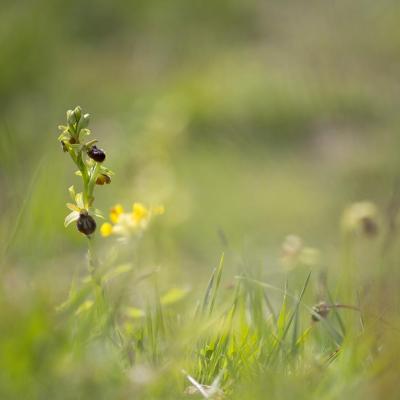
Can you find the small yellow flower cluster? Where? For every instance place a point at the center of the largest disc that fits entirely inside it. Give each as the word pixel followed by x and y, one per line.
pixel 126 224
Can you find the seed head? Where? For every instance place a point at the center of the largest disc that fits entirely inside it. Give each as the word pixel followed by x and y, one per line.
pixel 322 309
pixel 369 226
pixel 361 218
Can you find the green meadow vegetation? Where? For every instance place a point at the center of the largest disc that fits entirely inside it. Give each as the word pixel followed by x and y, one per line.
pixel 199 199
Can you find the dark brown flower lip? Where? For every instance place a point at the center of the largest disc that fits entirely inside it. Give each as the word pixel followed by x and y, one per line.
pixel 96 154
pixel 103 179
pixel 86 223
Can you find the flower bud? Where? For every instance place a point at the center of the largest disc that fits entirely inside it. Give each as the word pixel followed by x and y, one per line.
pixel 84 121
pixel 70 117
pixel 103 179
pixel 96 154
pixel 73 116
pixel 86 223
pixel 78 113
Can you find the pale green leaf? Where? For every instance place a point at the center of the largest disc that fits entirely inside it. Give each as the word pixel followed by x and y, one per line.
pixel 121 269
pixel 71 217
pixel 79 200
pixel 106 171
pixel 98 213
pixel 72 193
pixel 134 312
pixel 85 306
pixel 173 296
pixel 91 143
pixel 63 136
pixel 73 207
pixel 85 132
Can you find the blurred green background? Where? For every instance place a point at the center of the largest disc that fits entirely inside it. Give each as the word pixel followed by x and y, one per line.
pixel 255 118
pixel 249 120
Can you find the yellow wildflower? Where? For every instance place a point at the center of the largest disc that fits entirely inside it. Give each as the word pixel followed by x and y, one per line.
pixel 106 229
pixel 139 212
pixel 125 225
pixel 115 213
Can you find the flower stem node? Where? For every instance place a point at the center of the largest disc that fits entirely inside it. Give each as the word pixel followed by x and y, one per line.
pixel 86 223
pixel 96 154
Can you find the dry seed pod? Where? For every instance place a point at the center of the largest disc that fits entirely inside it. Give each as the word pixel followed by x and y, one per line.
pixel 322 309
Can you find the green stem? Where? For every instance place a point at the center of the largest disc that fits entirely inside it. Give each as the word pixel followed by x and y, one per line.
pixel 93 264
pixel 91 183
pixel 92 259
pixel 86 178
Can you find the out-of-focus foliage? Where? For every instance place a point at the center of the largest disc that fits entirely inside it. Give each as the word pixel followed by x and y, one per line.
pixel 250 120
